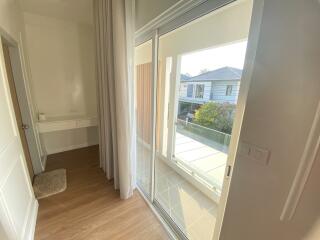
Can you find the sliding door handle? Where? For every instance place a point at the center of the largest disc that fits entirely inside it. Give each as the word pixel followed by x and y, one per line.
pixel 229 168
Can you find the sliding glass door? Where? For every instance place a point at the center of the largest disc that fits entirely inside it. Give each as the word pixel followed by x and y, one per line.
pixel 143 107
pixel 185 113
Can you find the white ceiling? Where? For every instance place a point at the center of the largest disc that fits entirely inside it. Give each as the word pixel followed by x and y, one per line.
pixel 74 10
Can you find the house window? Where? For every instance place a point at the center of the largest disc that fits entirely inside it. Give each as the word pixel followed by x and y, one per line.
pixel 190 90
pixel 199 90
pixel 229 90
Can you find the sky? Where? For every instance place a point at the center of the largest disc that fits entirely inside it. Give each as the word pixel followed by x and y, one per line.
pixel 231 55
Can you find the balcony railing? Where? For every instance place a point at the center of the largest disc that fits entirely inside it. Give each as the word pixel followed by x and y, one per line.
pixel 205 135
pixel 202 151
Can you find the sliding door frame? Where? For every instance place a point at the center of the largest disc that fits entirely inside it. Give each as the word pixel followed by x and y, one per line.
pixel 173 105
pixel 152 38
pixel 178 15
pixel 155 46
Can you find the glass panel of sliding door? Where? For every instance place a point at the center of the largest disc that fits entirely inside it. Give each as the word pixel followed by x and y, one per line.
pixel 199 74
pixel 143 108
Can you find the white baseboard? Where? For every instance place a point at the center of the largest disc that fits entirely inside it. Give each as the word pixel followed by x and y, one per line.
pixel 68 148
pixel 32 220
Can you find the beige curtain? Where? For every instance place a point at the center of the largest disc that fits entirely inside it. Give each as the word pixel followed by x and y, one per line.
pixel 116 118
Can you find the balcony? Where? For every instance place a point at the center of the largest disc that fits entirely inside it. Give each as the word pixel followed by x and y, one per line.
pixel 203 152
pixel 200 153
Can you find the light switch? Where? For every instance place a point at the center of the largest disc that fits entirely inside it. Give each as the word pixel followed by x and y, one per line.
pixel 258 154
pixel 254 153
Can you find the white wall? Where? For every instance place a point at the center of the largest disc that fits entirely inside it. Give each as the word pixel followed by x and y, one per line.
pixel 146 10
pixel 10 18
pixel 308 209
pixel 62 62
pixel 72 10
pixel 3 234
pixel 281 105
pixel 143 53
pixel 225 25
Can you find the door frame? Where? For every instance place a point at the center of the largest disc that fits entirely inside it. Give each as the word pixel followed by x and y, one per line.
pixel 22 127
pixel 176 16
pixel 21 71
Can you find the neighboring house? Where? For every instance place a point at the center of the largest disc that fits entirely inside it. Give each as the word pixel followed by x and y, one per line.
pixel 220 85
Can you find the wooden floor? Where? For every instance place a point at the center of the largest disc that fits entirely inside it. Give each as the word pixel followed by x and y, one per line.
pixel 90 208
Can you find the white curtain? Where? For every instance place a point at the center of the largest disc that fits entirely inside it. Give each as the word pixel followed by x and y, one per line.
pixel 115 92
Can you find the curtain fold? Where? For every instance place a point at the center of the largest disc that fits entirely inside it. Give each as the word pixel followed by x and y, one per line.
pixel 116 118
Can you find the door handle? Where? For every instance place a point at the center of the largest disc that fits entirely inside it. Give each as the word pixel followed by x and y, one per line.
pixel 25 126
pixel 229 170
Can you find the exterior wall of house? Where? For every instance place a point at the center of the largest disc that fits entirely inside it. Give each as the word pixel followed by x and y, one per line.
pixel 217 88
pixel 184 92
pixel 219 91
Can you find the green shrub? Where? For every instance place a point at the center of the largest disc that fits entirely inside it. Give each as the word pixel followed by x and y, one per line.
pixel 218 116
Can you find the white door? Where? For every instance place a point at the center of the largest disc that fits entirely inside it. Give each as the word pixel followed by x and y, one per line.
pixel 32 138
pixel 18 206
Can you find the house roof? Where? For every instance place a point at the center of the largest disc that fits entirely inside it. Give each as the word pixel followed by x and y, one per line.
pixel 224 73
pixel 184 77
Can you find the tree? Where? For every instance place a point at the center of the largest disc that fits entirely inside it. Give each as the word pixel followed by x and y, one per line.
pixel 216 116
